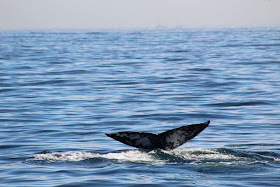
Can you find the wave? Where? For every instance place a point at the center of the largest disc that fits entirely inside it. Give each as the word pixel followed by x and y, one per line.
pixel 254 145
pixel 214 156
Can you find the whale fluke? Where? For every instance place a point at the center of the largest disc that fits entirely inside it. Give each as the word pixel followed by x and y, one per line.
pixel 167 140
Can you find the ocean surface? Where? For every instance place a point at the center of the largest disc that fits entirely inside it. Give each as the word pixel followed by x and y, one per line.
pixel 61 91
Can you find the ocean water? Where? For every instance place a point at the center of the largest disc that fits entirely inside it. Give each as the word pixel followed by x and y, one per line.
pixel 61 91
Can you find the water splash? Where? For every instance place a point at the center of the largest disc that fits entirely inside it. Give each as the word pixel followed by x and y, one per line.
pixel 74 156
pixel 220 156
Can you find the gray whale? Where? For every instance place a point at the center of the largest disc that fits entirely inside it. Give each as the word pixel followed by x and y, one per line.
pixel 167 140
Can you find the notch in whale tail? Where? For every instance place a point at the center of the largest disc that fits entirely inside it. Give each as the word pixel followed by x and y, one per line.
pixel 167 140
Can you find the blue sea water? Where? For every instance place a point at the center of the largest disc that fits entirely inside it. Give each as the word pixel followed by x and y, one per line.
pixel 61 91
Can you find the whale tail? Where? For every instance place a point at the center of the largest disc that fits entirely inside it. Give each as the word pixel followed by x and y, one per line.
pixel 167 140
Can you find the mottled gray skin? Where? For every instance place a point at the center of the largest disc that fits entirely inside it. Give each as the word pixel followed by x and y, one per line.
pixel 167 140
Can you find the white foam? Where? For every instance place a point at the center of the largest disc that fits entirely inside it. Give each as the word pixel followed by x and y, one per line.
pixel 65 156
pixel 127 156
pixel 132 156
pixel 209 154
pixel 183 156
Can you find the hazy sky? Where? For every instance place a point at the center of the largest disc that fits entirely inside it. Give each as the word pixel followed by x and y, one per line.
pixel 123 14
